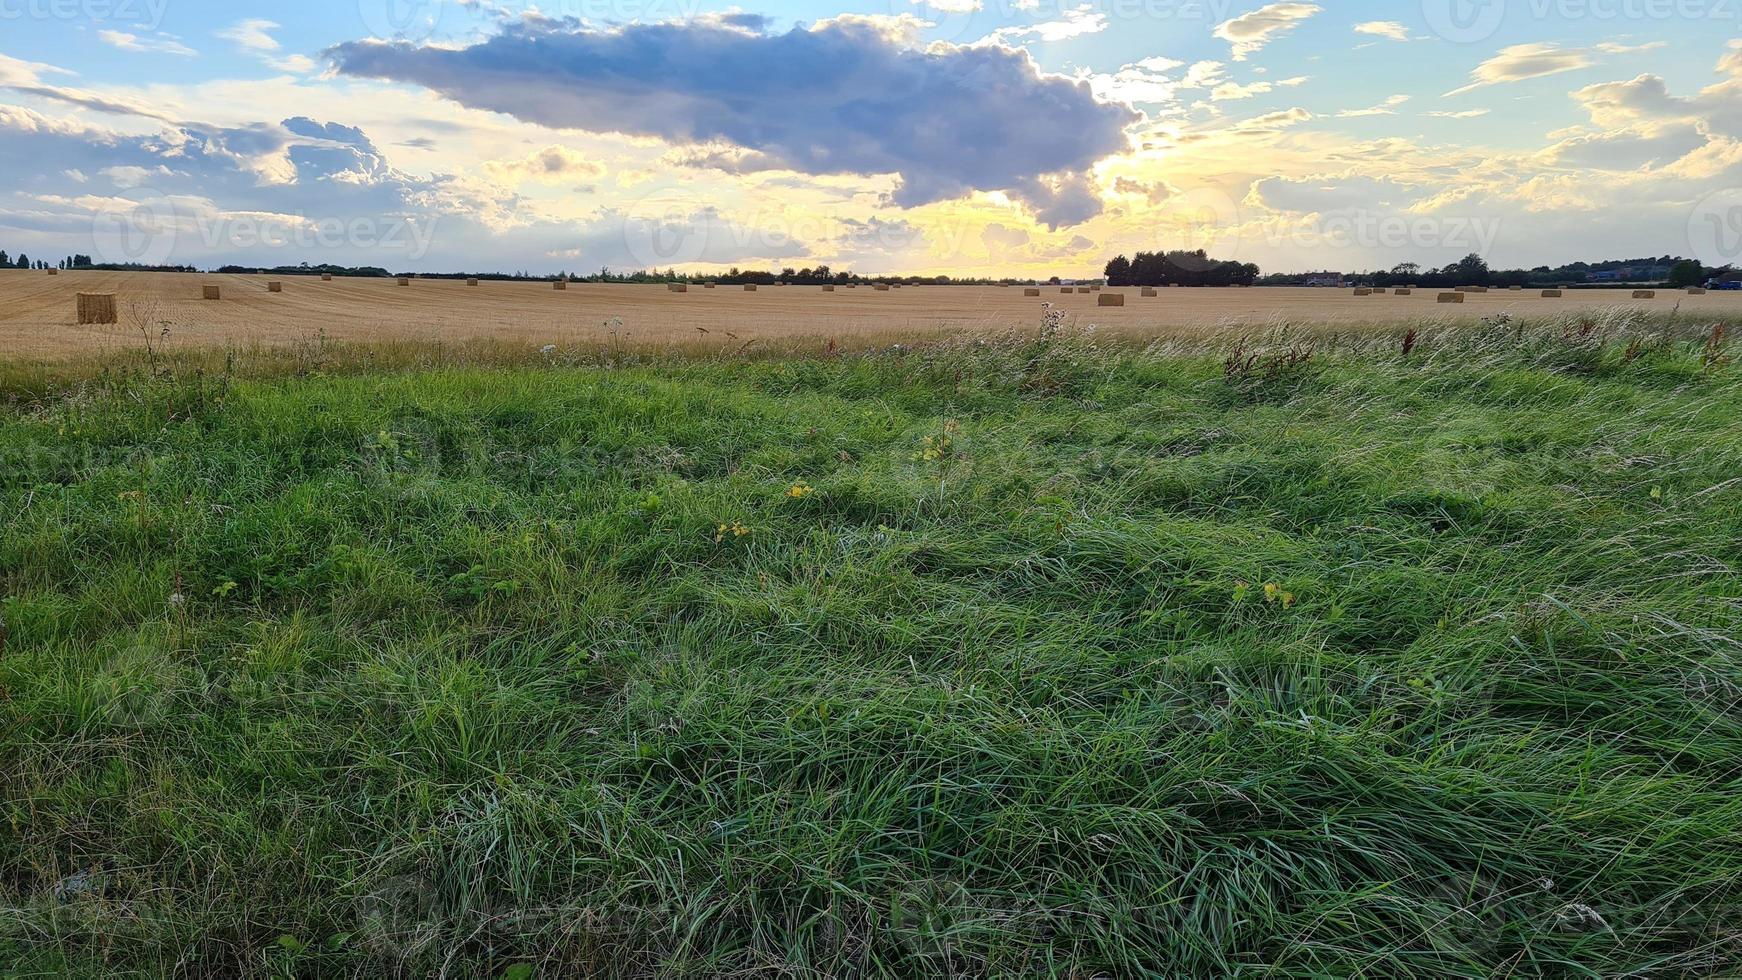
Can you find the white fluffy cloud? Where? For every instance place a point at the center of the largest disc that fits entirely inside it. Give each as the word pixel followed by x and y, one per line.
pixel 1391 30
pixel 1249 33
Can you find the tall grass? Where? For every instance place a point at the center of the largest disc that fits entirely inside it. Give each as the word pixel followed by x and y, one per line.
pixel 1077 658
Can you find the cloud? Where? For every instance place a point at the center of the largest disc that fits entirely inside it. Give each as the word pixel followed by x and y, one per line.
pixel 950 6
pixel 1464 114
pixel 160 44
pixel 1626 150
pixel 1272 122
pixel 1646 99
pixel 1345 192
pixel 254 36
pixel 838 98
pixel 1386 108
pixel 25 77
pixel 1389 29
pixel 1611 47
pixel 1249 33
pixel 1155 193
pixel 551 165
pixel 1521 62
pixel 1077 22
pixel 1234 91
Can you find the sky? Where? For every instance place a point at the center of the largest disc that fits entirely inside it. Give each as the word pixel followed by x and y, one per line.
pixel 961 137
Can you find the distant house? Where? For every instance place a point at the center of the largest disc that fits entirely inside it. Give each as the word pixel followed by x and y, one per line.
pixel 1333 280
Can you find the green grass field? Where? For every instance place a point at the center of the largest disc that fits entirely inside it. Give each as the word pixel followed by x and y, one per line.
pixel 1019 657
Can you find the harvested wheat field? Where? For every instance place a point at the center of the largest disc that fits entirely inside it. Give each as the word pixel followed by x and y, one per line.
pixel 38 314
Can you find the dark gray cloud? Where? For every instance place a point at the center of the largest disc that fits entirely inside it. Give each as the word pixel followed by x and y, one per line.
pixel 845 97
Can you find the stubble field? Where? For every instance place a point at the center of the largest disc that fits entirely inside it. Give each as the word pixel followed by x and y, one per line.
pixel 37 312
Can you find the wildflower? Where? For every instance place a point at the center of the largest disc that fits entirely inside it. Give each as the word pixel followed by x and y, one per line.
pixel 800 490
pixel 732 530
pixel 932 449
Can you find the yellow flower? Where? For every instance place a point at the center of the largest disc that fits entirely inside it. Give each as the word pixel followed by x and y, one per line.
pixel 800 490
pixel 732 530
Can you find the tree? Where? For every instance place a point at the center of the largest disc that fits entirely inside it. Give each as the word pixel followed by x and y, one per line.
pixel 1687 273
pixel 1406 269
pixel 23 261
pixel 1119 272
pixel 1473 268
pixel 5 260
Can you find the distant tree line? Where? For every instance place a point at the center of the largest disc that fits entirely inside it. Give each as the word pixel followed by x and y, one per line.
pixel 1473 270
pixel 83 262
pixel 1179 268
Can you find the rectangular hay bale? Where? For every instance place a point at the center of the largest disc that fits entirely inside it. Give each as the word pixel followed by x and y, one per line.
pixel 404 280
pixel 1645 294
pixel 677 287
pixel 1110 299
pixel 1031 292
pixel 1451 297
pixel 210 292
pixel 275 287
pixel 1551 294
pixel 97 308
pixel 1150 291
pixel 326 277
